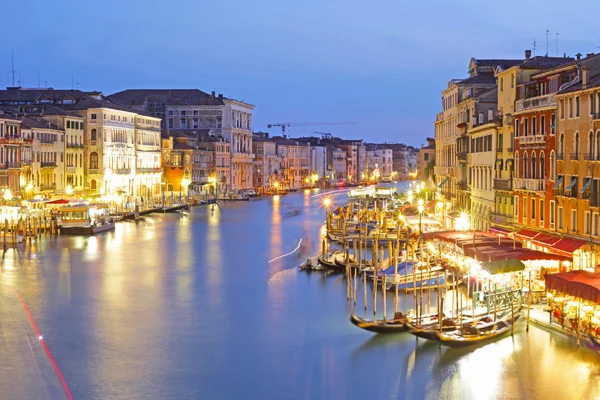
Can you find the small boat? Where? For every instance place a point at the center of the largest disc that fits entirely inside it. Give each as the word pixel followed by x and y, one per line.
pixel 430 327
pixel 311 264
pixel 10 238
pixel 481 333
pixel 395 325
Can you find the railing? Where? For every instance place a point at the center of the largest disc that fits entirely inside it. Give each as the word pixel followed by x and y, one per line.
pixel 48 186
pixel 71 170
pixel 462 185
pixel 533 185
pixel 462 155
pixel 560 156
pixel 48 164
pixel 441 170
pixel 533 139
pixel 74 146
pixel 439 116
pixel 575 156
pixel 546 100
pixel 503 184
pixel 122 171
pixel 47 141
pixel 25 162
pixel 588 156
pixel 13 164
pixel 596 115
pixel 147 170
pixel 92 171
pixel 501 218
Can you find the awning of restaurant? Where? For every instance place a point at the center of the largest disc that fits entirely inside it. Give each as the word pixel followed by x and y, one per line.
pixel 501 232
pixel 582 284
pixel 568 245
pixel 425 220
pixel 527 234
pixel 444 182
pixel 546 240
pixel 503 266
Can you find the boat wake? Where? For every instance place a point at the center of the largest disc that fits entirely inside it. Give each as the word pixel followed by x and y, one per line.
pixel 288 254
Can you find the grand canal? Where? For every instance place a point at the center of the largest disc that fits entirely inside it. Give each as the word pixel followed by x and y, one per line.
pixel 189 307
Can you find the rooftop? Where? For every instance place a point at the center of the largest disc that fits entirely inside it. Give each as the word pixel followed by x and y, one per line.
pixel 141 97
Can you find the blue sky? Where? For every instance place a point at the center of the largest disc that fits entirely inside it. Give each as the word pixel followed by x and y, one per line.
pixel 381 64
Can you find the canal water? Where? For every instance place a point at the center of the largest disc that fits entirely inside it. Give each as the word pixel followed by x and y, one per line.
pixel 189 307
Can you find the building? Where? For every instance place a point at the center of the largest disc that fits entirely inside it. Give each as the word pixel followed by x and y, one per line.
pixel 294 156
pixel 177 155
pixel 148 169
pixel 380 161
pixel 221 158
pixel 426 160
pixel 192 109
pixel 336 165
pixel 266 164
pixel 11 140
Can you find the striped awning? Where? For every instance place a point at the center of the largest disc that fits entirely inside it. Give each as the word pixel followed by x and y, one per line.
pixel 444 182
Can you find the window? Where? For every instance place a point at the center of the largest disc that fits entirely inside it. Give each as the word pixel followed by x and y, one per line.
pixel 573 220
pixel 501 84
pixel 590 146
pixel 93 134
pixel 525 204
pixel 570 102
pixel 512 81
pixel 533 209
pixel 516 208
pixel 553 124
pixel 595 221
pixel 533 166
pixel 525 166
pixel 534 126
pixel 182 122
pixel 552 213
pixel 542 212
pixel 516 167
pixel 195 112
pixel 516 128
pixel 525 126
pixel 576 146
pixel 426 156
pixel 93 160
pixel 542 165
pixel 561 146
pixel 562 109
pixel 93 116
pixel 587 223
pixel 542 125
pixel 170 112
pixel 592 103
pixel 577 106
pixel 68 124
pixel 561 217
pixel 170 123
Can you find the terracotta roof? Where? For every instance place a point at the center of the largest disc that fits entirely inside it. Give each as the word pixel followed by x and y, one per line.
pixel 34 95
pixel 482 78
pixel 40 123
pixel 168 96
pixel 592 83
pixel 542 62
pixel 497 63
pixel 182 146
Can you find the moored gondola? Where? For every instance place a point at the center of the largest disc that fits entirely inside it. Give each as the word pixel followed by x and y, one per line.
pixel 329 262
pixel 378 326
pixel 429 328
pixel 482 333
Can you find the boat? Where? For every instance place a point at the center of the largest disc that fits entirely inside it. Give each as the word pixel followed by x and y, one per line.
pixel 429 328
pixel 329 261
pixel 311 264
pixel 395 325
pixel 483 332
pixel 10 238
pixel 84 219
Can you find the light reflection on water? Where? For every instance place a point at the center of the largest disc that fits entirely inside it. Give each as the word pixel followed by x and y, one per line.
pixel 182 306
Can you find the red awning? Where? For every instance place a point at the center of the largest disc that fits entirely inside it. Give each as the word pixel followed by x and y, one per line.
pixel 59 201
pixel 568 245
pixel 546 240
pixel 501 232
pixel 576 283
pixel 527 234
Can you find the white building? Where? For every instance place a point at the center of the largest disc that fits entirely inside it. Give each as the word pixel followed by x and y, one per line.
pixel 148 171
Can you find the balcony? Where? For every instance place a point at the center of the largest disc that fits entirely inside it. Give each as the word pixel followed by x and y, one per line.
pixel 462 156
pixel 560 156
pixel 530 185
pixel 502 219
pixel 48 164
pixel 441 170
pixel 47 141
pixel 47 186
pixel 547 100
pixel 13 164
pixel 462 185
pixel 588 156
pixel 532 139
pixel 147 170
pixel 122 171
pixel 25 162
pixel 93 171
pixel 74 146
pixel 439 116
pixel 502 184
pixel 71 170
pixel 575 156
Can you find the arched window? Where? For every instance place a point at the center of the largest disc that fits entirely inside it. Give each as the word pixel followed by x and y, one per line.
pixel 552 165
pixel 533 166
pixel 590 146
pixel 516 166
pixel 525 165
pixel 542 165
pixel 561 146
pixel 597 155
pixel 93 134
pixel 93 184
pixel 576 146
pixel 94 160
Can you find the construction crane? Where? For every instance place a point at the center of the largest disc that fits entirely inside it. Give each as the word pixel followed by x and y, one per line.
pixel 283 125
pixel 324 135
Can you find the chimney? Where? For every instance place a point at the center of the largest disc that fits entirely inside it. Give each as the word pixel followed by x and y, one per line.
pixel 578 55
pixel 584 77
pixel 212 94
pixel 564 55
pixel 589 54
pixel 220 95
pixel 527 54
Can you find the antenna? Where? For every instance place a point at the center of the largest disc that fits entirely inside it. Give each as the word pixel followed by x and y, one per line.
pixel 534 46
pixel 12 55
pixel 39 74
pixel 71 81
pixel 547 32
pixel 557 43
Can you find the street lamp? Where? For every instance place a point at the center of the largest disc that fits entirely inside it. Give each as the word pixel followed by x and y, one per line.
pixel 276 186
pixel 7 195
pixel 462 222
pixel 185 182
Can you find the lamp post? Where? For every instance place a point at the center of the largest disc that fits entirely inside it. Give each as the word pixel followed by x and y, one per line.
pixel 185 183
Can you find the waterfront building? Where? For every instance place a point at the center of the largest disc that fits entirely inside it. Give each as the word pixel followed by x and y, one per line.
pixel 148 170
pixel 221 158
pixel 192 109
pixel 426 160
pixel 177 155
pixel 266 163
pixel 318 163
pixel 355 151
pixel 294 159
pixel 47 172
pixel 577 184
pixel 534 127
pixel 336 168
pixel 73 126
pixel 380 159
pixel 11 140
pixel 449 128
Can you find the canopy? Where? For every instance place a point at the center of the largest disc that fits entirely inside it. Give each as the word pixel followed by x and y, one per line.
pixel 59 201
pixel 444 182
pixel 582 284
pixel 503 266
pixel 425 220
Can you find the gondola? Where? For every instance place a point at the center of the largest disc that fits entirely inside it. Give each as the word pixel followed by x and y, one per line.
pixel 388 326
pixel 329 262
pixel 470 336
pixel 429 329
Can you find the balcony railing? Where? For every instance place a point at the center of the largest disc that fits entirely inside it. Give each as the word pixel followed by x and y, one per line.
pixel 560 156
pixel 71 170
pixel 588 156
pixel 546 100
pixel 532 139
pixel 50 164
pixel 147 170
pixel 575 156
pixel 93 171
pixel 47 141
pixel 74 145
pixel 48 186
pixel 122 171
pixel 462 185
pixel 503 184
pixel 13 164
pixel 462 155
pixel 532 185
pixel 501 218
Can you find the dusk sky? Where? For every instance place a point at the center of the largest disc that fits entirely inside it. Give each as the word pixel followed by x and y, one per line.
pixel 381 64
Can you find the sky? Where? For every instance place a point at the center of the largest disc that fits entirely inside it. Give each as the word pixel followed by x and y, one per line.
pixel 380 64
